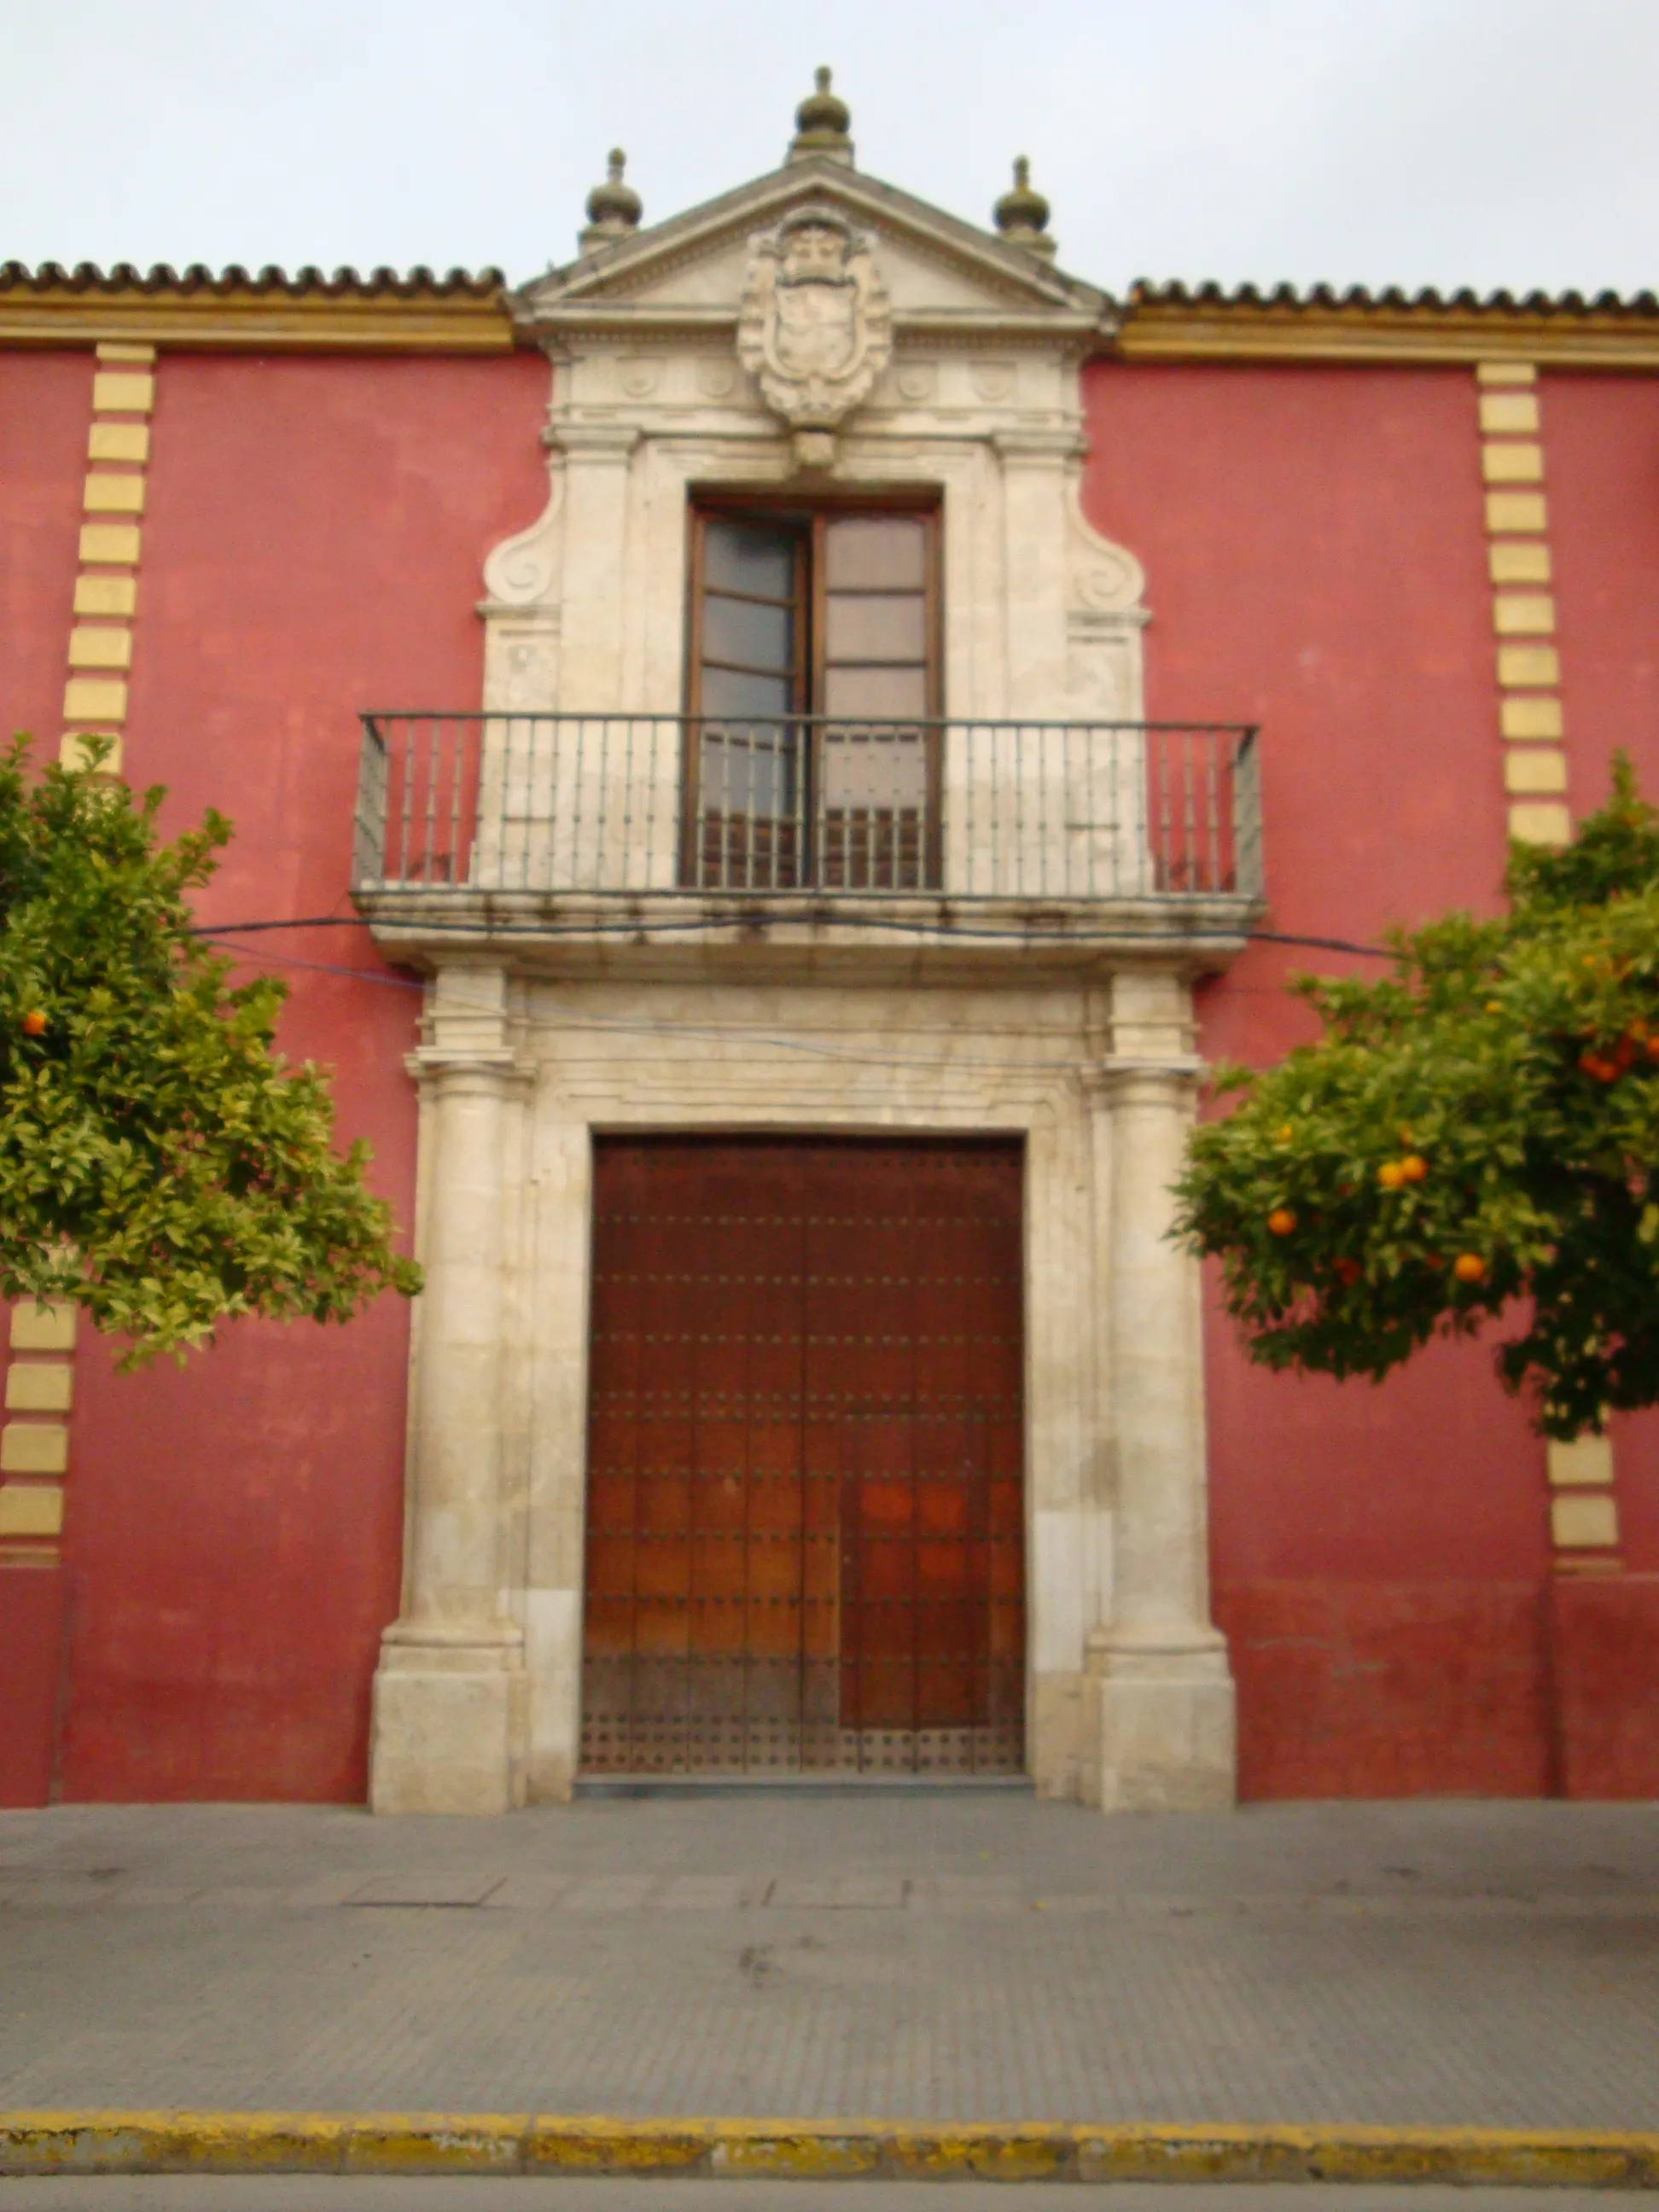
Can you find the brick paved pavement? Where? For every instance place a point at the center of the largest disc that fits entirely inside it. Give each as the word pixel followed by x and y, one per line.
pixel 928 1957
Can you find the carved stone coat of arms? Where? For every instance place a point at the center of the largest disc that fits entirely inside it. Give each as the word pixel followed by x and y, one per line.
pixel 815 328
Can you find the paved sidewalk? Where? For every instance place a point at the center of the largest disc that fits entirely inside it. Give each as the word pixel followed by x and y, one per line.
pixel 927 1957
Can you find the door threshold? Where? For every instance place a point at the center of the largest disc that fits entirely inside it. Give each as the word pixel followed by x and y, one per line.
pixel 801 1785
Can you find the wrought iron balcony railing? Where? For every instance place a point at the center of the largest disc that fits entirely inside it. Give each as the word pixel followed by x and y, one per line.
pixel 632 806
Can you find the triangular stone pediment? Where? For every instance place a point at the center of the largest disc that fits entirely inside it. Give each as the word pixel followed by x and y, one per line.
pixel 691 271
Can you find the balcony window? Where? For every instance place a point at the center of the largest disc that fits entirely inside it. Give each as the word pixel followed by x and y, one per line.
pixel 812 744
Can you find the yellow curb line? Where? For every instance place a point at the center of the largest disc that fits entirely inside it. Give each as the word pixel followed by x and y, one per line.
pixel 525 2143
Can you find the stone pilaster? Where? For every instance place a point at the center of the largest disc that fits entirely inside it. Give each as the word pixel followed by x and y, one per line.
pixel 597 461
pixel 1167 1731
pixel 450 1692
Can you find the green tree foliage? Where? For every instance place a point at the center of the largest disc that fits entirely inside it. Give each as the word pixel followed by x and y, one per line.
pixel 1475 1136
pixel 160 1163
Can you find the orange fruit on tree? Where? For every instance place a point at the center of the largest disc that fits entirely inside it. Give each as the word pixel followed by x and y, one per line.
pixel 1413 1168
pixel 1391 1175
pixel 1281 1221
pixel 1468 1267
pixel 34 1023
pixel 1653 1048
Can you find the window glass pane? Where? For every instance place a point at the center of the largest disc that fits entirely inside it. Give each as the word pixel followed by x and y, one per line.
pixel 876 628
pixel 876 552
pixel 876 694
pixel 753 636
pixel 749 557
pixel 732 692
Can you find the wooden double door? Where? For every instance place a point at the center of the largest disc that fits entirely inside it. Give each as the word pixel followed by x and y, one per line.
pixel 804 1540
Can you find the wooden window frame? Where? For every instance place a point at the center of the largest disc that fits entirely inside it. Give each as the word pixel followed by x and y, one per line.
pixel 810 519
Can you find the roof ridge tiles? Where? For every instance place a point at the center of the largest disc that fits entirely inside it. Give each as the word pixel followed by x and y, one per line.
pixel 1176 292
pixel 161 275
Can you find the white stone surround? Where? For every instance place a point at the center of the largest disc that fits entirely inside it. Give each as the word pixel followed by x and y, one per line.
pixel 533 1047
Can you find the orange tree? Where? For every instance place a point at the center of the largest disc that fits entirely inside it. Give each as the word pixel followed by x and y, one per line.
pixel 1474 1137
pixel 160 1164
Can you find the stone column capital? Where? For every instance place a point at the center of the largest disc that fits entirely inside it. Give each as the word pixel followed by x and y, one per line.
pixel 1039 446
pixel 606 443
pixel 1124 1082
pixel 450 1072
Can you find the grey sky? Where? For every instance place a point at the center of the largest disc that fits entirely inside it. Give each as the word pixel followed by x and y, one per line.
pixel 1412 142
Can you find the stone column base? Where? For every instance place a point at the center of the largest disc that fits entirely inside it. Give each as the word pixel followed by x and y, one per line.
pixel 1168 1733
pixel 450 1708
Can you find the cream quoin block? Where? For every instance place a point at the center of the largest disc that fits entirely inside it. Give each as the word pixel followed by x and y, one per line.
pixel 1529 707
pixel 107 493
pixel 42 1328
pixel 122 391
pixel 1585 1459
pixel 114 543
pixel 37 1387
pixel 123 397
pixel 31 1508
pixel 118 441
pixel 450 1692
pixel 95 699
pixel 1515 510
pixel 1512 463
pixel 1521 666
pixel 1516 613
pixel 105 595
pixel 1519 561
pixel 34 1448
pixel 1527 719
pixel 1540 823
pixel 1584 1521
pixel 1167 1718
pixel 1533 770
pixel 93 646
pixel 1584 1506
pixel 1509 413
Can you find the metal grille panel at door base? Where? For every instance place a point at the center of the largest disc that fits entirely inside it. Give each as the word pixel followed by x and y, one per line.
pixel 805 1511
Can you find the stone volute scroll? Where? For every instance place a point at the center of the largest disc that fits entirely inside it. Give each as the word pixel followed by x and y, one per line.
pixel 815 328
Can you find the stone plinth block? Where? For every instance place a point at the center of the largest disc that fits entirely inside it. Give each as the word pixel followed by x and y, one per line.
pixel 448 1730
pixel 1168 1730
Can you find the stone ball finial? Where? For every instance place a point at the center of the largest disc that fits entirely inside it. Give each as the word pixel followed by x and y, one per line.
pixel 1022 214
pixel 614 208
pixel 821 123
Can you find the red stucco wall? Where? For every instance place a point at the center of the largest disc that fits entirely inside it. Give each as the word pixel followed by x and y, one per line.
pixel 1315 560
pixel 313 543
pixel 46 406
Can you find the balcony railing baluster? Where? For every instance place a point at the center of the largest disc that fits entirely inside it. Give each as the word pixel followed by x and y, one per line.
pixel 584 805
